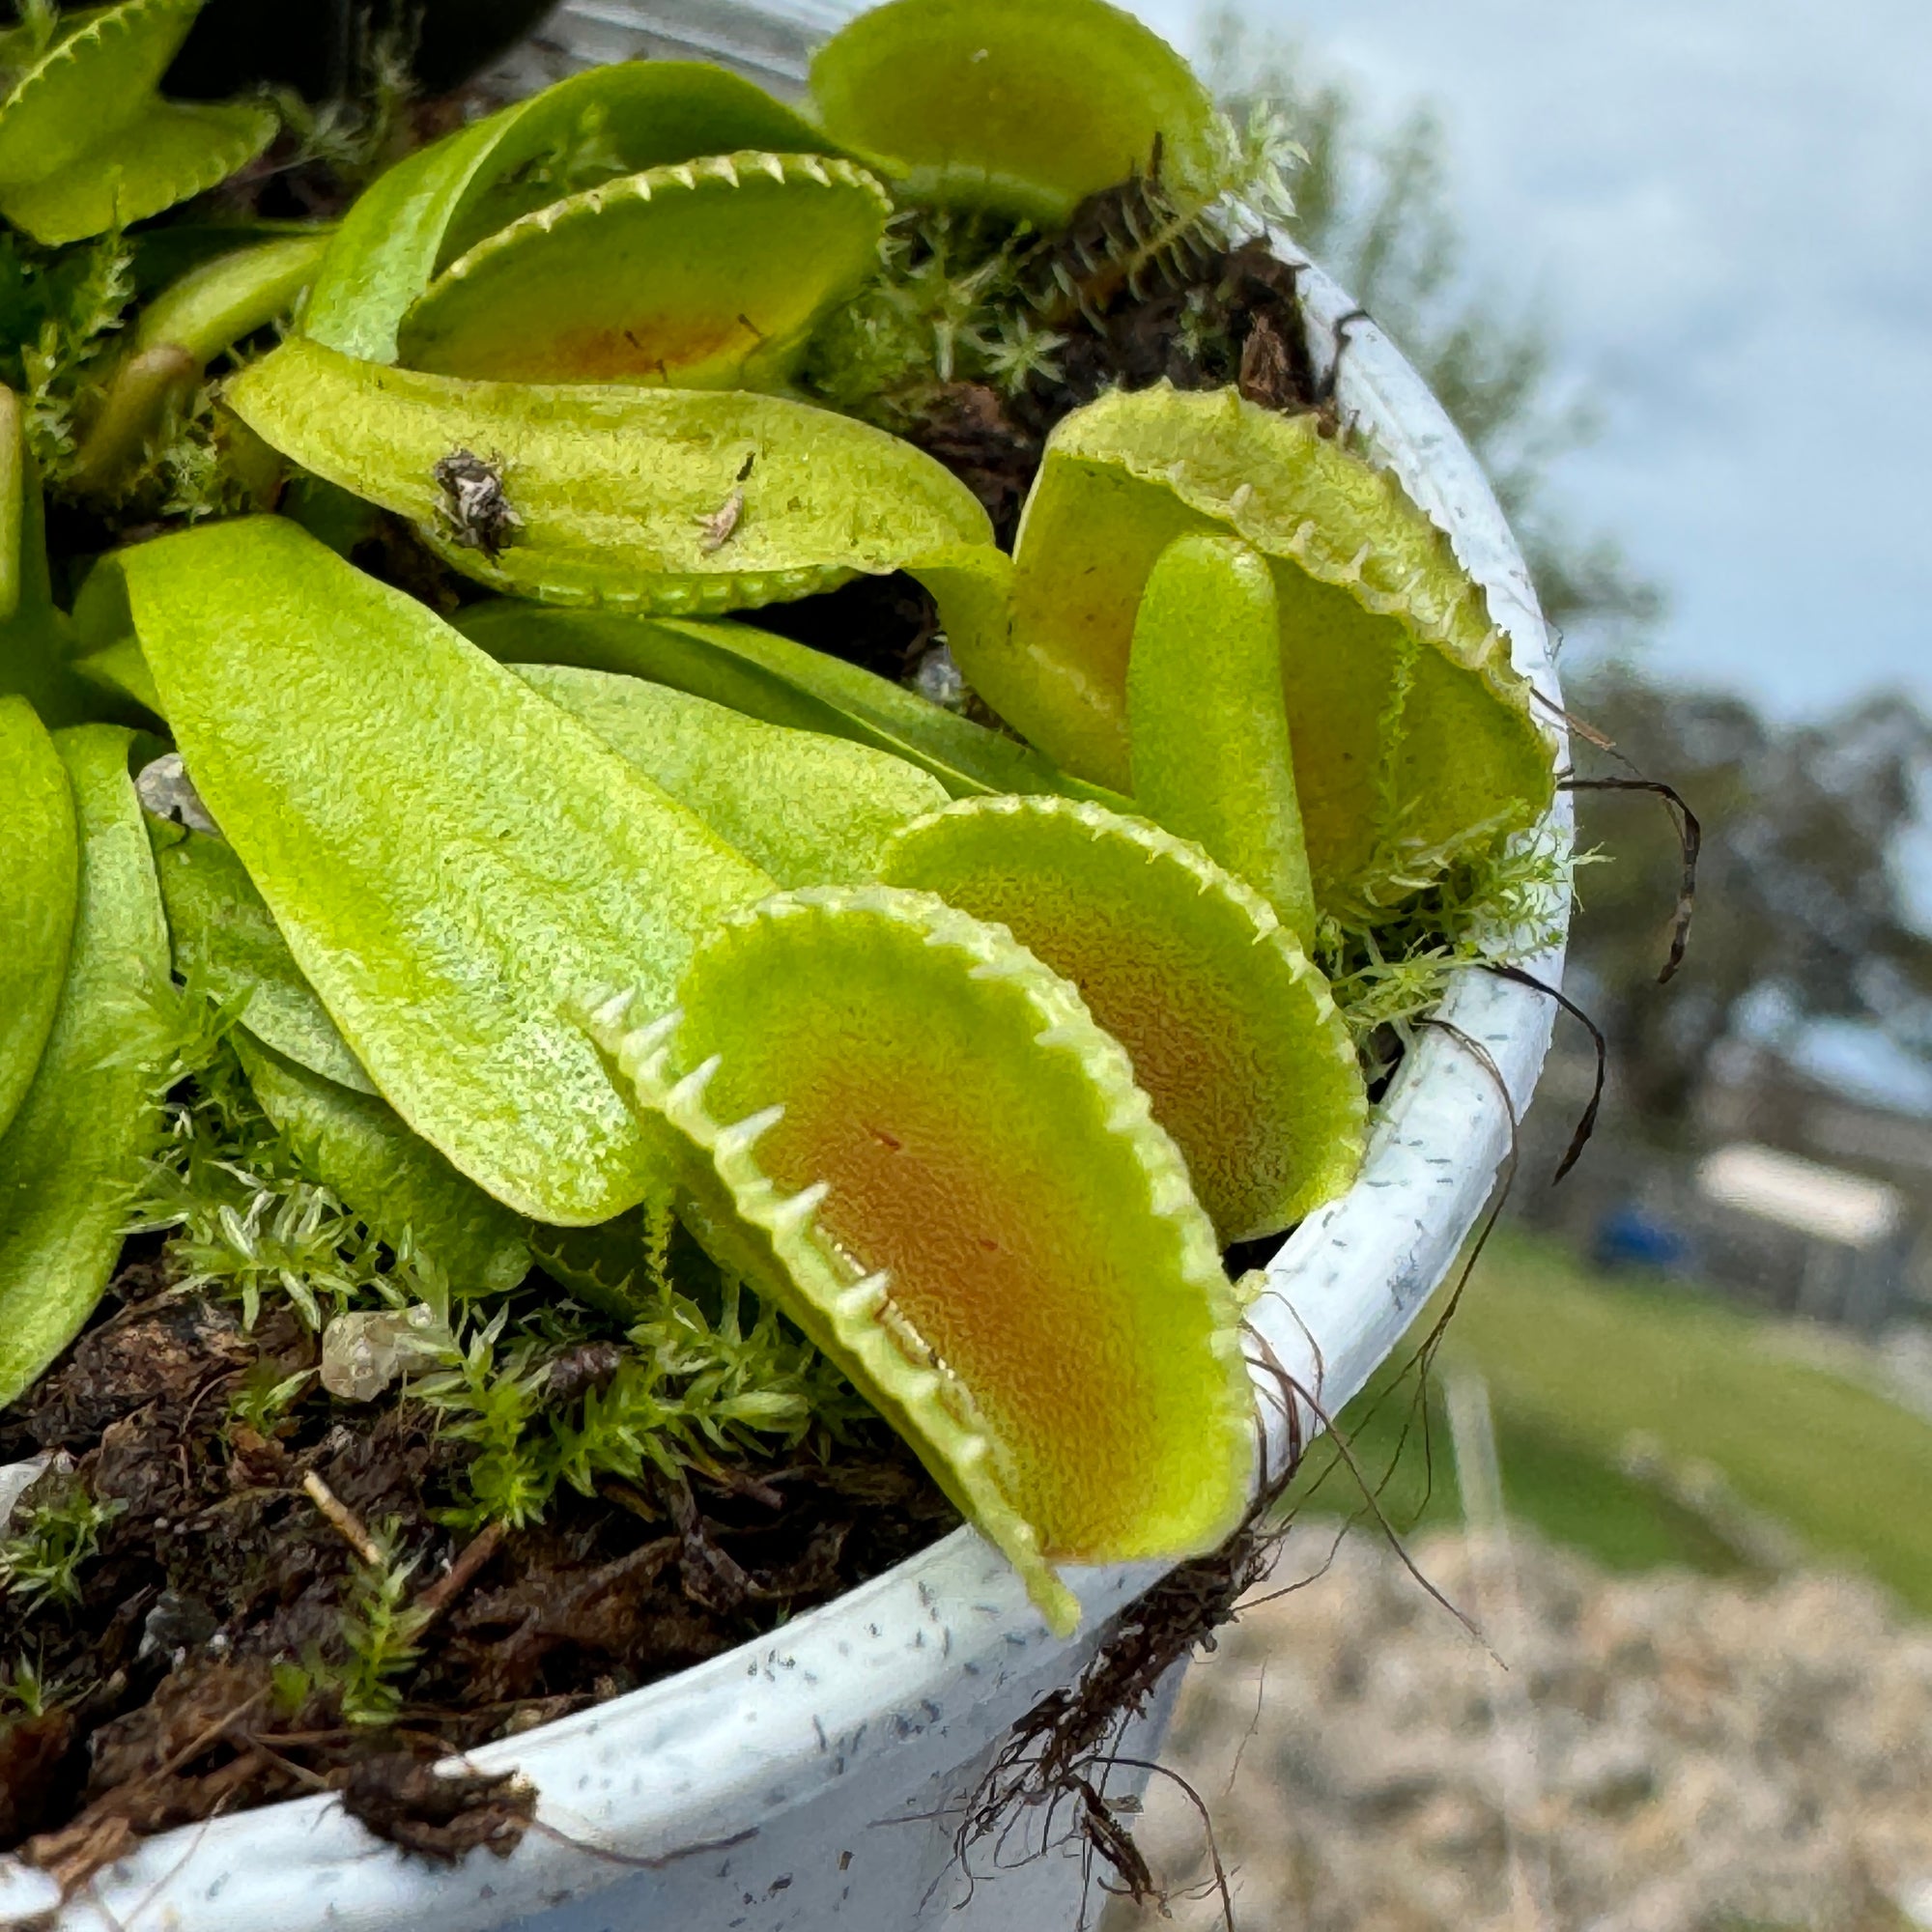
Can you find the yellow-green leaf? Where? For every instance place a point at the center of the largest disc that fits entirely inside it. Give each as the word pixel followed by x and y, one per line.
pixel 90 83
pixel 38 886
pixel 70 1159
pixel 1231 1032
pixel 168 153
pixel 769 677
pixel 705 274
pixel 810 809
pixel 1209 729
pixel 658 500
pixel 451 859
pixel 226 941
pixel 398 1184
pixel 1414 737
pixel 944 1171
pixel 445 198
pixel 1011 104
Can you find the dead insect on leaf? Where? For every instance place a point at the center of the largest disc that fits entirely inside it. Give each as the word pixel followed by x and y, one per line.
pixel 721 524
pixel 475 509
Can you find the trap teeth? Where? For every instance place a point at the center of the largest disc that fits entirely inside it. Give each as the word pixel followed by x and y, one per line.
pixel 743 1135
pixel 688 1096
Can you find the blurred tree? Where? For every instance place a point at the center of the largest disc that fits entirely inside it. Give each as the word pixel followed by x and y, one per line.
pixel 1800 916
pixel 1801 912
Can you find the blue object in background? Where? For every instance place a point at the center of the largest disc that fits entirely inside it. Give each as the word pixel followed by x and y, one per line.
pixel 1632 1236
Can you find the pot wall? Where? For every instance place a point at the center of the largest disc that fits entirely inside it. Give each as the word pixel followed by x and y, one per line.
pixel 802 1782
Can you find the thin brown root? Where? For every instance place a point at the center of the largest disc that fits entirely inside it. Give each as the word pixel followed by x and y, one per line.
pixel 1581 726
pixel 1587 1124
pixel 1689 836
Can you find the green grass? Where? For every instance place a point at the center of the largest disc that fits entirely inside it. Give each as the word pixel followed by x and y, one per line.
pixel 1576 1364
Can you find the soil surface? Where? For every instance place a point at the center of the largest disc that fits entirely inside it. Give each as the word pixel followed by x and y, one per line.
pixel 198 1671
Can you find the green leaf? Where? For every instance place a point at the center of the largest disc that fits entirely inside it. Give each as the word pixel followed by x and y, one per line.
pixel 34 634
pixel 1231 1032
pixel 444 199
pixel 451 859
pixel 119 673
pixel 74 1153
pixel 622 493
pixel 168 154
pixel 772 678
pixel 14 483
pixel 398 1184
pixel 1013 105
pixel 37 896
pixel 89 85
pixel 705 274
pixel 810 809
pixel 215 304
pixel 954 1186
pixel 1212 756
pixel 602 1267
pixel 1414 737
pixel 227 942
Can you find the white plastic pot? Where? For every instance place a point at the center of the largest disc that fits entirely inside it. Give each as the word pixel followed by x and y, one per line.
pixel 810 1780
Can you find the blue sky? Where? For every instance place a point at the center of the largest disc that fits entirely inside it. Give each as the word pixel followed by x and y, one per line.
pixel 1725 208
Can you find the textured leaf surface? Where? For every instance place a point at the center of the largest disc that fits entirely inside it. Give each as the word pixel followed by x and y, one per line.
pixel 90 83
pixel 119 673
pixel 38 884
pixel 399 1184
pixel 1010 105
pixel 71 1158
pixel 1230 1031
pixel 451 859
pixel 619 487
pixel 444 199
pixel 1414 737
pixel 705 274
pixel 810 809
pixel 1208 724
pixel 34 634
pixel 215 304
pixel 167 154
pixel 226 940
pixel 773 679
pixel 602 1267
pixel 14 483
pixel 950 1166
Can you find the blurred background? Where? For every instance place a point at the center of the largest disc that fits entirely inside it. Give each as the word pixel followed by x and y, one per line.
pixel 1617 1612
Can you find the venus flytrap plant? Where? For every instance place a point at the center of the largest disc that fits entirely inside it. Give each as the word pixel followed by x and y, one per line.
pixel 1231 1032
pixel 702 274
pixel 949 1057
pixel 446 199
pixel 86 141
pixel 1414 739
pixel 897 1120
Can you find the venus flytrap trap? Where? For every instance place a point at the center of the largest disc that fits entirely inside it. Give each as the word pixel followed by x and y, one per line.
pixel 87 143
pixel 953 1045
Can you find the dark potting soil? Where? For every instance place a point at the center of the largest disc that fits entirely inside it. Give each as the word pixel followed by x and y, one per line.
pixel 201 1668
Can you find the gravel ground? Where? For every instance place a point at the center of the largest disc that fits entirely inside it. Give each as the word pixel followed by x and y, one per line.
pixel 1664 1753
